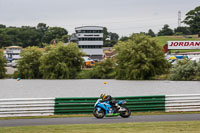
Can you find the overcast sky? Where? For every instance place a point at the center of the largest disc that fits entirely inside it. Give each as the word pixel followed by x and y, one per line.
pixel 120 16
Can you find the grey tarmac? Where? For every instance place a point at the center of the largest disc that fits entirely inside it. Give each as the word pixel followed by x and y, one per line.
pixel 93 120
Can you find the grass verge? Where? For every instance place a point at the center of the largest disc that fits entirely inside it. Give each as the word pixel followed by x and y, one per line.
pixel 147 127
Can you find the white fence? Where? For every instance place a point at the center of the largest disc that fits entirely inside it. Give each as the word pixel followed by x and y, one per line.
pixel 45 106
pixel 185 102
pixel 27 107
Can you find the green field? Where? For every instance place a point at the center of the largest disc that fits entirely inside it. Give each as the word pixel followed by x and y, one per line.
pixel 163 39
pixel 147 127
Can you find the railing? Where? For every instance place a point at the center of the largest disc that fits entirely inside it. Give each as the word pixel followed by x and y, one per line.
pixel 85 105
pixel 27 107
pixel 74 105
pixel 184 102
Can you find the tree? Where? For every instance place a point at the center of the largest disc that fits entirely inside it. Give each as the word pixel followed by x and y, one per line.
pixel 54 33
pixel 182 30
pixel 61 61
pixel 9 36
pixel 42 27
pixel 166 31
pixel 140 57
pixel 114 36
pixel 103 70
pixel 2 65
pixel 124 38
pixel 109 38
pixel 105 34
pixel 24 36
pixel 28 64
pixel 65 38
pixel 2 26
pixel 151 33
pixel 193 20
pixel 29 36
pixel 183 70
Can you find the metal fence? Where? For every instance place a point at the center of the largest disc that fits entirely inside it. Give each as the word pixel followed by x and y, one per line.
pixel 27 107
pixel 85 105
pixel 184 102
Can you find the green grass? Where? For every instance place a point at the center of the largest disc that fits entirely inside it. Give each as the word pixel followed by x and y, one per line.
pixel 163 39
pixel 147 127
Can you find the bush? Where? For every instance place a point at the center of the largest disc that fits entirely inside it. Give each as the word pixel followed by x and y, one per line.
pixel 139 58
pixel 2 65
pixel 28 64
pixel 85 74
pixel 61 62
pixel 184 70
pixel 102 70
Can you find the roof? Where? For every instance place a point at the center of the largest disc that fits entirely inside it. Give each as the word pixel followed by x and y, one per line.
pixel 13 47
pixel 89 27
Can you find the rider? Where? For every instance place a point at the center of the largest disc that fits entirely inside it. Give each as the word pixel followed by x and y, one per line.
pixel 111 100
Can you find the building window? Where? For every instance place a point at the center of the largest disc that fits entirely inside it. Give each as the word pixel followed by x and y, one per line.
pixel 90 39
pixel 89 31
pixel 90 46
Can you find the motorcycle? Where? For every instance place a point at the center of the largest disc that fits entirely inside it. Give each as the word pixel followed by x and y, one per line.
pixel 104 108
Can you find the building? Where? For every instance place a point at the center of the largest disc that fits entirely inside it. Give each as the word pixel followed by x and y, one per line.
pixel 90 40
pixel 12 52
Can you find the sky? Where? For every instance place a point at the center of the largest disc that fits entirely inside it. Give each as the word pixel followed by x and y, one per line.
pixel 123 17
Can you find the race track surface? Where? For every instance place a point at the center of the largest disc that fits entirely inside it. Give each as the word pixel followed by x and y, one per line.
pixel 92 120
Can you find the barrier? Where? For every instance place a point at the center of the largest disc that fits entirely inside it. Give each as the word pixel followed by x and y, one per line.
pixel 74 105
pixel 184 102
pixel 85 105
pixel 27 107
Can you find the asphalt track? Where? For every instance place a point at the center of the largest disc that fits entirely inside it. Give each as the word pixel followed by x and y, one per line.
pixel 92 120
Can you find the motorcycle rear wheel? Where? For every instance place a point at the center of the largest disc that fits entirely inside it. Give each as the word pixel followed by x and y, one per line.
pixel 99 114
pixel 125 114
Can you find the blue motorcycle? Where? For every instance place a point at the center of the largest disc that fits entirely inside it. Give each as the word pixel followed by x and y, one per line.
pixel 104 108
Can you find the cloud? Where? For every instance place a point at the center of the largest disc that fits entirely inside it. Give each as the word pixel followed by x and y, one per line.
pixel 122 16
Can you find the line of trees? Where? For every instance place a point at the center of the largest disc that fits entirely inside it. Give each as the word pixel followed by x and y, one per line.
pixel 31 36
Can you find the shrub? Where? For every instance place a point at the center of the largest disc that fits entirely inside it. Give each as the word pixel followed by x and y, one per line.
pixel 140 57
pixel 183 70
pixel 28 64
pixel 61 62
pixel 2 65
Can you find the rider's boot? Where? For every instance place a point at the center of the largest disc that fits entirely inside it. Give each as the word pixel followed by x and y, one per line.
pixel 117 106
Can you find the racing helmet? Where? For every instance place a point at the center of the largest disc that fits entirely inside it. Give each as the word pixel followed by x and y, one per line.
pixel 103 96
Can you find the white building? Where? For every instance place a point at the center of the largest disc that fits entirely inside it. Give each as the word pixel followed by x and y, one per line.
pixel 12 52
pixel 90 40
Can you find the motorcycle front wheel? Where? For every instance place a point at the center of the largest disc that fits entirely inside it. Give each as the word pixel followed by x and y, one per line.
pixel 125 114
pixel 99 114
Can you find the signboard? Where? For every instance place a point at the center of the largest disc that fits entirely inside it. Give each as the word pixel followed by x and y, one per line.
pixel 183 44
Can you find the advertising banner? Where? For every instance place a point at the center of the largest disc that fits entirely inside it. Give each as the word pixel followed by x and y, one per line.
pixel 183 44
